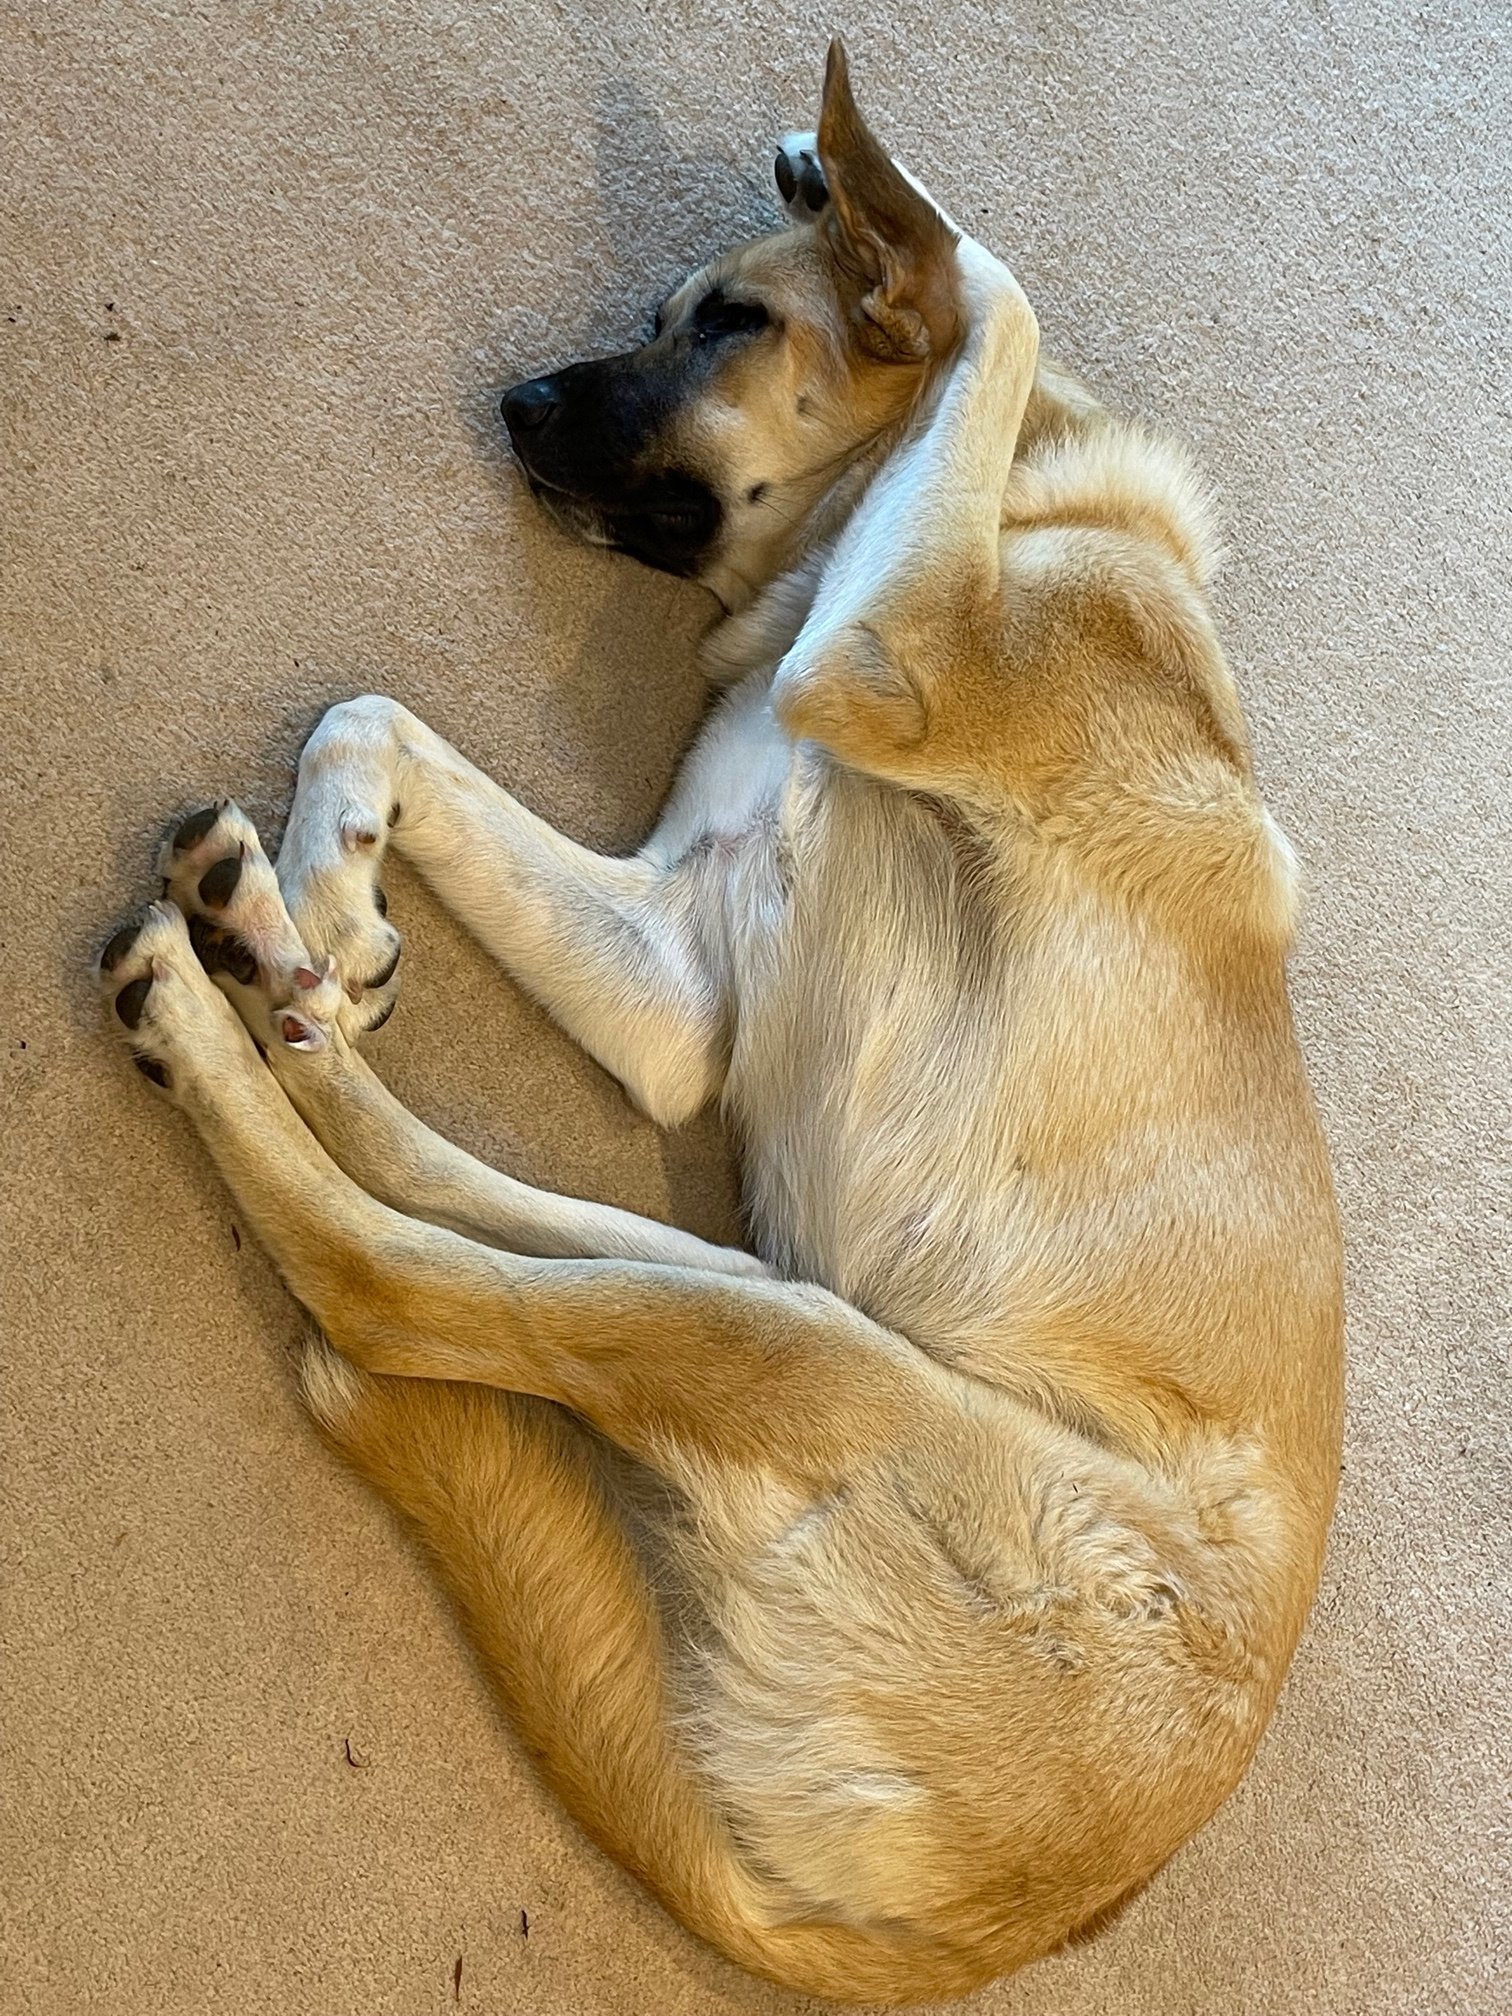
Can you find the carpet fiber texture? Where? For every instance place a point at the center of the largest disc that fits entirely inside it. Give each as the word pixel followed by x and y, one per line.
pixel 261 269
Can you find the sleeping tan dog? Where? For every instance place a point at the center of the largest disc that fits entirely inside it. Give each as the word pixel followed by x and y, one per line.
pixel 895 1599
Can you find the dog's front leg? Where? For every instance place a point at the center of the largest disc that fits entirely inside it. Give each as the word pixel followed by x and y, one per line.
pixel 912 592
pixel 609 947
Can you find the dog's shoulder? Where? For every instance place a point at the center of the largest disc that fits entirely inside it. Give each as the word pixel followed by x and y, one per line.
pixel 1119 477
pixel 1130 732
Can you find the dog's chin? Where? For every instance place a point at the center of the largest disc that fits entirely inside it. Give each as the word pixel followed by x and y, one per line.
pixel 677 538
pixel 579 519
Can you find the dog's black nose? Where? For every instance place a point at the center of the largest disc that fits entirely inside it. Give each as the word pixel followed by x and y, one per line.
pixel 526 408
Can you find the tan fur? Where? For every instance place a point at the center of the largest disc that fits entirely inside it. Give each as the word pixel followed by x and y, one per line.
pixel 893 1601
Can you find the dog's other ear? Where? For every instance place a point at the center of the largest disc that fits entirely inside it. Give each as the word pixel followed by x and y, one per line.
pixel 894 252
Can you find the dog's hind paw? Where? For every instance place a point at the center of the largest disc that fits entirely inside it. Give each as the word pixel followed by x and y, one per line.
pixel 216 872
pixel 800 177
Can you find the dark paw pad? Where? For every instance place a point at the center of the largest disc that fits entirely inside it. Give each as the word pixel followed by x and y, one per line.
pixel 222 951
pixel 195 827
pixel 382 979
pixel 132 999
pixel 218 884
pixel 118 947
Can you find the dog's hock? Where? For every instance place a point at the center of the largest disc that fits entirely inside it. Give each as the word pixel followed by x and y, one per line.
pixel 847 691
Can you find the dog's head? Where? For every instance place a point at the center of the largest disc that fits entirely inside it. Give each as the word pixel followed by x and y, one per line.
pixel 702 450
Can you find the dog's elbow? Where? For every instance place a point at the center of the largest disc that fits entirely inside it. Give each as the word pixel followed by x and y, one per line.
pixel 675 1087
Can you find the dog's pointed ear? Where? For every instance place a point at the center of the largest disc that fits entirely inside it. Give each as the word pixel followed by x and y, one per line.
pixel 893 251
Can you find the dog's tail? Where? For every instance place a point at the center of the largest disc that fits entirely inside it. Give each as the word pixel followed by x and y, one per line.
pixel 505 1493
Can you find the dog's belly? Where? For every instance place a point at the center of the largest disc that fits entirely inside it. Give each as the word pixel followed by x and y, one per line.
pixel 868 1077
pixel 867 1170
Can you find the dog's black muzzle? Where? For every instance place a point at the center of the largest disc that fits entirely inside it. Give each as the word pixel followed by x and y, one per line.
pixel 591 441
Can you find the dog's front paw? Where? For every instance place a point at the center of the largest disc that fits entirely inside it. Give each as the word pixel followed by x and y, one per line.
pixel 344 806
pixel 800 177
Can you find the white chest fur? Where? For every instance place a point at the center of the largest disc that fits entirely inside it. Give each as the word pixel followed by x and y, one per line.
pixel 733 780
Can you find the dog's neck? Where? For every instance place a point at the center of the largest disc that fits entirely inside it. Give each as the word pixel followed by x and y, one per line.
pixel 765 615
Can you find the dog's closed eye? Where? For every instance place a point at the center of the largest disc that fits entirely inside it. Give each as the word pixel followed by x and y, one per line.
pixel 719 315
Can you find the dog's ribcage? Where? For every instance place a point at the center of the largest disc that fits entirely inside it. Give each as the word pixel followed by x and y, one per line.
pixel 864 950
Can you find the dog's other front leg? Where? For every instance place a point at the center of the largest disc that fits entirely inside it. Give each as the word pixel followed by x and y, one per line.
pixel 610 947
pixel 399 1160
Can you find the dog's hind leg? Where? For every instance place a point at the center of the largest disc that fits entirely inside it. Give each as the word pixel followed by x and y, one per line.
pixel 245 938
pixel 507 1496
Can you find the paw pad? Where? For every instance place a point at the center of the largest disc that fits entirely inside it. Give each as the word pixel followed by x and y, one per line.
pixel 222 951
pixel 119 946
pixel 218 884
pixel 800 176
pixel 132 999
pixel 193 829
pixel 290 989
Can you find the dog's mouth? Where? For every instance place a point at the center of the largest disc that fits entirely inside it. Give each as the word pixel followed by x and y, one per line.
pixel 588 439
pixel 670 523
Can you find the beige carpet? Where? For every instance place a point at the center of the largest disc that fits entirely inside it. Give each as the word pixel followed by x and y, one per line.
pixel 260 265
